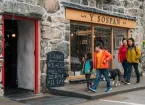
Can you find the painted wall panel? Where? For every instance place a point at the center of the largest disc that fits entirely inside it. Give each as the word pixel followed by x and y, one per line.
pixel 26 54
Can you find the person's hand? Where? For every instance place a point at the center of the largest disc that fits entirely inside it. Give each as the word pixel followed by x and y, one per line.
pixel 88 71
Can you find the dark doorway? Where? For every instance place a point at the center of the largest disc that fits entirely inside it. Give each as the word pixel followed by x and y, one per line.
pixel 11 36
pixel 19 56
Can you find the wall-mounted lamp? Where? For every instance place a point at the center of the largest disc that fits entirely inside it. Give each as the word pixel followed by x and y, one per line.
pixel 13 35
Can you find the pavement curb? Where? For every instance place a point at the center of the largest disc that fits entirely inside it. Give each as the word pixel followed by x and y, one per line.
pixel 79 95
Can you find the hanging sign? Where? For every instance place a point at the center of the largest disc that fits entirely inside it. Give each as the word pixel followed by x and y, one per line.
pixel 55 69
pixel 77 15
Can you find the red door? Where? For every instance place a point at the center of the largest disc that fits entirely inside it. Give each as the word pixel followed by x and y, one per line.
pixel 36 52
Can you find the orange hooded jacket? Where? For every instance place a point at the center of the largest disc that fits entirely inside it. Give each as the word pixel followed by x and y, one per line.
pixel 105 56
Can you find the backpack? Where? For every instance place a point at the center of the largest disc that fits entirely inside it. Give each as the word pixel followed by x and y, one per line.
pixel 140 60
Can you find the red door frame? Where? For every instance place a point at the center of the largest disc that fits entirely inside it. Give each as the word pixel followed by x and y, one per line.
pixel 36 47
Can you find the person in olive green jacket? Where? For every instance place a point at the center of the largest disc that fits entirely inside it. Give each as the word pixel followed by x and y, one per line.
pixel 133 56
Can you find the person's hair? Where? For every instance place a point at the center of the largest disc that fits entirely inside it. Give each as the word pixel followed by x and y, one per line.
pixel 89 56
pixel 100 46
pixel 133 42
pixel 124 39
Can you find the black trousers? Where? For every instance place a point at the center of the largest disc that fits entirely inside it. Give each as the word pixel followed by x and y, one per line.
pixel 135 65
pixel 88 76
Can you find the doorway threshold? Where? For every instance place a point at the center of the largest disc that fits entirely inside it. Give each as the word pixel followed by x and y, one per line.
pixel 27 95
pixel 22 94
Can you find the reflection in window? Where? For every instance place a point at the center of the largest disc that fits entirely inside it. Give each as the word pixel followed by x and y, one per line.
pixel 102 37
pixel 80 45
pixel 118 33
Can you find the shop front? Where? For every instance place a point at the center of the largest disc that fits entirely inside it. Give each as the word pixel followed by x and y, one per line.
pixel 88 29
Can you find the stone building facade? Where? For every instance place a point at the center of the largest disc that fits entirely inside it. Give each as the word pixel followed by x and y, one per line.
pixel 55 28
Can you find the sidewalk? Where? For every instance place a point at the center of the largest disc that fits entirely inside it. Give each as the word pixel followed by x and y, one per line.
pixel 7 101
pixel 43 100
pixel 74 90
pixel 78 90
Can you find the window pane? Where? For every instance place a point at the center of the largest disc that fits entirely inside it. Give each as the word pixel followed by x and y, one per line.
pixel 80 45
pixel 102 36
pixel 119 34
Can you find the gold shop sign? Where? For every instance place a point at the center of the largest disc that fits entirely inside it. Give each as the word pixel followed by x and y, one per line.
pixel 83 16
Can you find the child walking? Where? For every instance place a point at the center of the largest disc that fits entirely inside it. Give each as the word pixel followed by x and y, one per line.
pixel 88 67
pixel 101 60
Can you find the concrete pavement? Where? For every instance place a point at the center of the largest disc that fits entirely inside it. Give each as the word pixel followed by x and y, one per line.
pixel 131 98
pixel 54 100
pixel 47 100
pixel 78 90
pixel 7 101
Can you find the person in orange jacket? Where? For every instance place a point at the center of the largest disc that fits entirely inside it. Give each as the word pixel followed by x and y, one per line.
pixel 101 65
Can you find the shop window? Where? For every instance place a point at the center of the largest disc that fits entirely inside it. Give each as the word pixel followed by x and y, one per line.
pixel 80 44
pixel 103 37
pixel 119 34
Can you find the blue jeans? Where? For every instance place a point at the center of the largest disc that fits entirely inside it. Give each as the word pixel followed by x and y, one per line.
pixel 135 65
pixel 98 78
pixel 125 67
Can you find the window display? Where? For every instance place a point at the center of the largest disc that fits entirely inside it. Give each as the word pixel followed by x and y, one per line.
pixel 81 38
pixel 102 36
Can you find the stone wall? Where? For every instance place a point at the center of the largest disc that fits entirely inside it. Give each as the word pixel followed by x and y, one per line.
pixel 28 8
pixel 55 31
